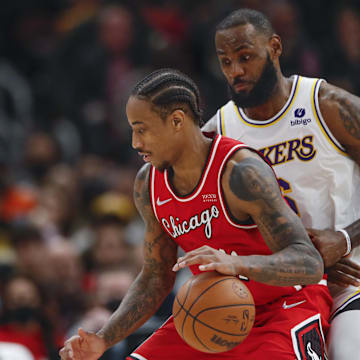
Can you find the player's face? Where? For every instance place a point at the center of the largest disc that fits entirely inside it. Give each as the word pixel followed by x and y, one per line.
pixel 244 59
pixel 151 135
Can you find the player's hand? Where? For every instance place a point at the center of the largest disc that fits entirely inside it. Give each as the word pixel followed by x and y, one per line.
pixel 345 272
pixel 84 346
pixel 208 259
pixel 330 244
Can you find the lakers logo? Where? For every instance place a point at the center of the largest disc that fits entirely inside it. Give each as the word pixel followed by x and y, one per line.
pixel 302 149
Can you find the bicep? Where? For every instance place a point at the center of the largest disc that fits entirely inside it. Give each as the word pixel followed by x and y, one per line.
pixel 252 187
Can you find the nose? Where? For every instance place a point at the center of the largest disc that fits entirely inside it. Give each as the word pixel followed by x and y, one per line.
pixel 237 70
pixel 135 141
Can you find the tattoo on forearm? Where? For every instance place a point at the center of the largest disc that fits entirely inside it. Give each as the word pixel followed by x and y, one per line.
pixel 146 294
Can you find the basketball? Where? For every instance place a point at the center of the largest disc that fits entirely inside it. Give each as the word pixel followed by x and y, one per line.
pixel 213 313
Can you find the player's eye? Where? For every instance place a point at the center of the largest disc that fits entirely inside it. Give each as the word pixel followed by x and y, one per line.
pixel 139 131
pixel 245 57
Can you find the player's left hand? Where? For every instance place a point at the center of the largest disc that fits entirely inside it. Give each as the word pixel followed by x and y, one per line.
pixel 345 272
pixel 331 245
pixel 208 259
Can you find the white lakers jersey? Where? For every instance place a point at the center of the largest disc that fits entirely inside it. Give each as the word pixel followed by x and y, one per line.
pixel 320 181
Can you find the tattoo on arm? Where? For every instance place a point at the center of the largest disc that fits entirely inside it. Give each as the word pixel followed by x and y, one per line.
pixel 294 260
pixel 154 281
pixel 342 108
pixel 349 111
pixel 145 295
pixel 350 115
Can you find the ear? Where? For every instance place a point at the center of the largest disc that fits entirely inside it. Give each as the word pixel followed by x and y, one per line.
pixel 275 47
pixel 177 118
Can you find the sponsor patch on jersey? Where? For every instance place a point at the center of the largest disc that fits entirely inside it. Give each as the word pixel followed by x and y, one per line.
pixel 209 197
pixel 300 119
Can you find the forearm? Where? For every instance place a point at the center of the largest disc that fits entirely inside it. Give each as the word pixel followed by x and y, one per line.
pixel 140 303
pixel 291 266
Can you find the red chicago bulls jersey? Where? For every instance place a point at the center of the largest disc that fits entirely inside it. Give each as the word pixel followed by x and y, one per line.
pixel 201 217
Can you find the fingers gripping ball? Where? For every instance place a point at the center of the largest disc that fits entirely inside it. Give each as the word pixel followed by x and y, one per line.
pixel 213 312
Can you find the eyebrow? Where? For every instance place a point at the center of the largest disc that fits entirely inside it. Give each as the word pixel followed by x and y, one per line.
pixel 137 123
pixel 247 45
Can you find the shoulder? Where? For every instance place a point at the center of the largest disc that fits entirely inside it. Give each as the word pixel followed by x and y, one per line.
pixel 141 185
pixel 211 125
pixel 247 166
pixel 248 183
pixel 143 173
pixel 332 96
pixel 247 158
pixel 341 111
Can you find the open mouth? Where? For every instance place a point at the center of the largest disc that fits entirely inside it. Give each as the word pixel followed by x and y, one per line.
pixel 145 156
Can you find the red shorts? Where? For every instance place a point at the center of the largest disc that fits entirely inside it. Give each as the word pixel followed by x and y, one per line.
pixel 292 327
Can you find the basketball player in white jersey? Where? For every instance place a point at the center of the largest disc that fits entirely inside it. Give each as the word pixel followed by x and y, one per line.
pixel 309 131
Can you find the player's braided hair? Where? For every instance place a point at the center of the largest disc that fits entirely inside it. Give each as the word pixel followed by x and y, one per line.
pixel 169 89
pixel 247 16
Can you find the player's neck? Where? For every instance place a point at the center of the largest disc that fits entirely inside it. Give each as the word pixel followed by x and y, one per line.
pixel 187 170
pixel 275 103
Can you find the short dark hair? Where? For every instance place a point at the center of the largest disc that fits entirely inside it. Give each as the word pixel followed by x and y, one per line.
pixel 168 87
pixel 247 16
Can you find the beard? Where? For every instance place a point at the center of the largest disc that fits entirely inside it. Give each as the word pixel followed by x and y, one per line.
pixel 261 91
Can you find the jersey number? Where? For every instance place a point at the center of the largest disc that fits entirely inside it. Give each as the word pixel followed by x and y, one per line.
pixel 286 188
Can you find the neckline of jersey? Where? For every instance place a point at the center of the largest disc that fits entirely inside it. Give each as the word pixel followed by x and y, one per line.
pixel 204 173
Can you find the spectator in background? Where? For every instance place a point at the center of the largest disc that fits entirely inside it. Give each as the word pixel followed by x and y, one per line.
pixel 70 287
pixel 110 287
pixel 54 214
pixel 299 54
pixel 343 59
pixel 110 248
pixel 24 321
pixel 41 153
pixel 93 71
pixel 31 253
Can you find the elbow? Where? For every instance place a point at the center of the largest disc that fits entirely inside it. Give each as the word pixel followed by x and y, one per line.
pixel 315 267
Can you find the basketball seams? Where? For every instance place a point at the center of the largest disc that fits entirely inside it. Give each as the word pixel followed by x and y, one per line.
pixel 182 306
pixel 195 318
pixel 187 312
pixel 189 324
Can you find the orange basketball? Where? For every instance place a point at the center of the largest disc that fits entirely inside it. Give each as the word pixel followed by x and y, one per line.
pixel 213 313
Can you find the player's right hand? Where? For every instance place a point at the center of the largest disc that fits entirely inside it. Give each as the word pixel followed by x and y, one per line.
pixel 83 346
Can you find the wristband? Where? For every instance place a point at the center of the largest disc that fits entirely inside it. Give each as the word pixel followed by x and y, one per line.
pixel 348 242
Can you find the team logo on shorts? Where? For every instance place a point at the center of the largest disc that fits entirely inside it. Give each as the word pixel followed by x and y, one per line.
pixel 308 340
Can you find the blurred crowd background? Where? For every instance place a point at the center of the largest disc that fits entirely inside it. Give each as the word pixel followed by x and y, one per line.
pixel 70 236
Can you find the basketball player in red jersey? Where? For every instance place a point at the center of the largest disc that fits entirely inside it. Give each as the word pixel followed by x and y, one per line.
pixel 219 200
pixel 309 131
